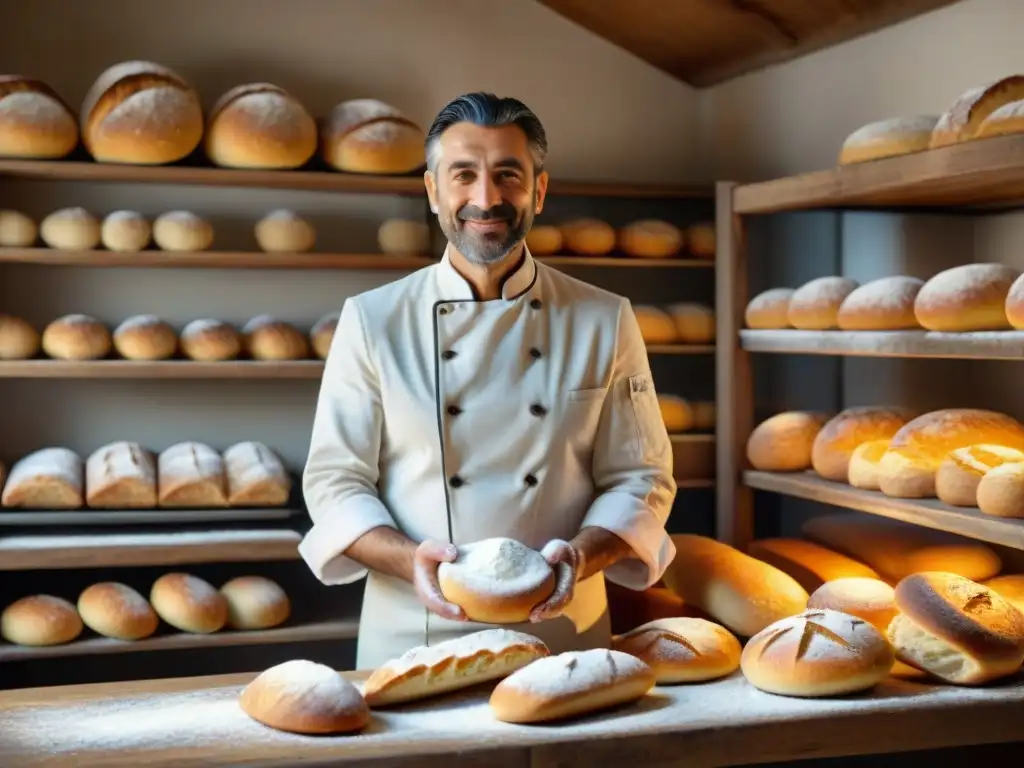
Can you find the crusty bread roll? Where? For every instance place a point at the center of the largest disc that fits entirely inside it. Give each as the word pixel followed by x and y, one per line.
pixel 895 549
pixel 955 629
pixel 141 113
pixel 959 474
pixel 284 231
pixel 112 609
pixel 210 340
pixel 570 684
pixel 125 231
pixel 769 310
pixel 588 236
pixel 255 602
pixel 650 239
pixel 962 121
pixel 497 580
pixel 18 339
pixel 369 136
pixel 817 653
pixel 40 620
pixel 737 590
pixel 182 231
pixel 1000 491
pixel 267 338
pixel 704 415
pixel 865 598
pixel 191 474
pixel 886 304
pixel 188 603
pixel 888 138
pixel 17 230
pixel 35 123
pixel 70 229
pixel 544 239
pixel 810 564
pixel 431 670
pixel 1008 119
pixel 1014 305
pixel 676 413
pixel 971 297
pixel 50 478
pixel 682 649
pixel 145 337
pixel 404 237
pixel 700 240
pixel 908 468
pixel 864 468
pixel 321 335
pixel 259 125
pixel 255 476
pixel 76 337
pixel 814 306
pixel 839 437
pixel 783 442
pixel 695 323
pixel 1010 587
pixel 120 475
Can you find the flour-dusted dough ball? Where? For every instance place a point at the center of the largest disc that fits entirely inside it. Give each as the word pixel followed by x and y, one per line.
pixel 284 231
pixel 70 229
pixel 17 230
pixel 769 310
pixel 814 306
pixel 182 231
pixel 18 339
pixel 126 231
pixel 404 237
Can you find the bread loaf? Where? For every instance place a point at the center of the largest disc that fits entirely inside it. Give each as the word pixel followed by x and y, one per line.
pixel 1010 587
pixel 18 339
pixel 810 564
pixel 70 229
pixel 17 230
pixel 182 231
pixel 650 239
pixel 544 240
pixel 1014 305
pixel 769 310
pixel 35 123
pixel 145 337
pixel 817 653
pixel 866 598
pixel 40 620
pixel 142 113
pixel 888 138
pixel 814 306
pixel 210 340
pixel 955 629
pixel 125 231
pixel 1008 119
pixel 259 125
pixel 683 650
pixel 959 474
pixel 964 118
pixel 839 437
pixel 255 602
pixel 864 469
pixel 369 136
pixel 783 442
pixel 588 236
pixel 656 325
pixel 404 237
pixel 50 478
pixel 737 590
pixel 120 475
pixel 431 670
pixel 76 337
pixel 497 580
pixel 188 603
pixel 321 335
pixel 971 297
pixel 570 684
pixel 1000 492
pixel 700 240
pixel 881 305
pixel 283 231
pixel 255 476
pixel 695 323
pixel 676 413
pixel 191 474
pixel 267 338
pixel 116 610
pixel 305 697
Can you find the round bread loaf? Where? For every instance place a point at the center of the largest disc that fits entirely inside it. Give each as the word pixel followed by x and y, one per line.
pixel 18 339
pixel 544 239
pixel 496 581
pixel 1008 119
pixel 126 231
pixel 40 620
pixel 267 338
pixel 769 310
pixel 700 240
pixel 656 325
pixel 810 564
pixel 704 415
pixel 283 231
pixel 650 239
pixel 864 468
pixel 116 610
pixel 210 340
pixel 404 237
pixel 955 629
pixel 1014 305
pixel 695 323
pixel 959 475
pixel 783 442
pixel 971 297
pixel 142 113
pixel 888 138
pixel 145 337
pixel 588 236
pixel 962 121
pixel 869 599
pixel 839 437
pixel 255 602
pixel 182 231
pixel 188 603
pixel 35 123
pixel 70 229
pixel 814 306
pixel 817 653
pixel 881 305
pixel 17 230
pixel 259 125
pixel 76 337
pixel 676 413
pixel 321 335
pixel 300 696
pixel 683 649
pixel 369 136
pixel 1010 587
pixel 1000 491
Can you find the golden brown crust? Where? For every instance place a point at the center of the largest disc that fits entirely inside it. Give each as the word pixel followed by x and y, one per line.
pixel 76 337
pixel 676 413
pixel 960 474
pixel 19 340
pixel 810 564
pixel 814 306
pixel 369 136
pixel 888 138
pixel 886 304
pixel 278 133
pixel 769 310
pixel 695 323
pixel 656 325
pixel 121 475
pixel 783 442
pixel 835 442
pixel 1000 492
pixel 46 128
pixel 588 236
pixel 864 467
pixel 188 603
pixel 269 339
pixel 40 620
pixel 145 337
pixel 683 649
pixel 650 239
pixel 210 340
pixel 963 119
pixel 970 297
pixel 116 610
pixel 866 598
pixel 255 602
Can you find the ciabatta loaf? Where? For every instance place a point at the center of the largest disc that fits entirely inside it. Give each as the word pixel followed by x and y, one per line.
pixel 50 478
pixel 835 442
pixel 963 120
pixel 682 649
pixel 451 665
pixel 256 477
pixel 121 475
pixel 810 564
pixel 191 474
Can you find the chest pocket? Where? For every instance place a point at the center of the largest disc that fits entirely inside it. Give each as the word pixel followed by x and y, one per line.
pixel 581 416
pixel 647 418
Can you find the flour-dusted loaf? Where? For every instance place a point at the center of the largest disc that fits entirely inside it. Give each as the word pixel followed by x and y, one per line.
pixel 188 603
pixel 814 306
pixel 256 477
pixel 886 304
pixel 19 340
pixel 17 229
pixel 70 229
pixel 267 338
pixel 116 610
pixel 145 337
pixel 121 475
pixel 695 323
pixel 588 236
pixel 971 297
pixel 683 649
pixel 810 564
pixel 284 231
pixel 321 335
pixel 191 474
pixel 888 138
pixel 182 231
pixel 570 684
pixel 125 231
pixel 431 670
pixel 76 337
pixel 35 123
pixel 369 136
pixel 210 340
pixel 656 325
pixel 839 437
pixel 962 121
pixel 650 239
pixel 1008 119
pixel 255 602
pixel 784 442
pixel 50 478
pixel 40 620
pixel 865 465
pixel 870 599
pixel 259 125
pixel 769 310
pixel 1000 492
pixel 959 475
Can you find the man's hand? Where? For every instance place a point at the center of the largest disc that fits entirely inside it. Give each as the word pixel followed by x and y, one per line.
pixel 429 555
pixel 566 561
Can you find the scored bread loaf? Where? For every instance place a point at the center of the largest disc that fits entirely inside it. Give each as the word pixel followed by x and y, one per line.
pixel 971 297
pixel 369 136
pixel 256 477
pixel 888 138
pixel 682 649
pixel 35 123
pixel 50 478
pixel 810 564
pixel 120 475
pixel 40 620
pixel 191 474
pixel 965 116
pixel 116 610
pixel 650 239
pixel 18 339
pixel 870 599
pixel 769 310
pixel 814 306
pixel 431 670
pixel 656 325
pixel 960 473
pixel 259 125
pixel 839 437
pixel 864 468
pixel 886 304
pixel 783 442
pixel 588 236
pixel 1000 492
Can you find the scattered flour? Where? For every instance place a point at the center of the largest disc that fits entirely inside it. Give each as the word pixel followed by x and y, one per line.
pixel 823 291
pixel 574 672
pixel 195 589
pixel 155 111
pixel 120 598
pixel 205 325
pixel 891 128
pixel 112 75
pixel 964 285
pixel 58 462
pixel 958 115
pixel 138 321
pixel 275 110
pixel 356 111
pixel 122 459
pixel 497 567
pixel 190 462
pixel 36 109
pixel 819 636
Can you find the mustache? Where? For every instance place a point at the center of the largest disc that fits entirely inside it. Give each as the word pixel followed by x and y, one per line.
pixel 502 211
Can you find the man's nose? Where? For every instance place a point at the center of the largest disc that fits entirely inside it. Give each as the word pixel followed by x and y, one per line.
pixel 485 194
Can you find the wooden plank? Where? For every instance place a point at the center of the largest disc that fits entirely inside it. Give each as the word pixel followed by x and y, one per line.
pixel 156 516
pixel 930 513
pixel 160 369
pixel 681 349
pixel 980 345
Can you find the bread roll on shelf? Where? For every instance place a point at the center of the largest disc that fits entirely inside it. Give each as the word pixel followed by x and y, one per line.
pixel 369 136
pixel 40 620
pixel 17 230
pixel 886 304
pixel 267 338
pixel 836 441
pixel 126 231
pixel 704 415
pixel 588 236
pixel 255 602
pixel 888 138
pixel 210 340
pixel 35 123
pixel 18 339
pixel 810 564
pixel 865 465
pixel 121 475
pixel 182 231
pixel 650 239
pixel 1008 119
pixel 116 610
pixel 769 310
pixel 191 475
pixel 1014 305
pixel 676 413
pixel 404 237
pixel 700 240
pixel 695 323
pixel 656 325
pixel 971 297
pixel 962 121
pixel 145 337
pixel 870 599
pixel 1000 492
pixel 259 125
pixel 142 113
pixel 284 231
pixel 322 334
pixel 783 442
pixel 1010 587
pixel 188 603
pixel 76 337
pixel 544 239
pixel 50 478
pixel 682 649
pixel 960 473
pixel 814 306
pixel 70 229
pixel 255 476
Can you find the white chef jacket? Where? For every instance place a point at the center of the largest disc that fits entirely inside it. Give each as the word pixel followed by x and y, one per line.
pixel 446 417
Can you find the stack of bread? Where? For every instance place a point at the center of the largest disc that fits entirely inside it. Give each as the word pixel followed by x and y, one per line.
pixel 641 239
pixel 125 475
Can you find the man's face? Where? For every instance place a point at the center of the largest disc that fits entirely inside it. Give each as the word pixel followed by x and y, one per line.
pixel 484 190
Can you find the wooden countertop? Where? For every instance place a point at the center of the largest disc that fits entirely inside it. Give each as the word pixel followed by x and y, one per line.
pixel 197 722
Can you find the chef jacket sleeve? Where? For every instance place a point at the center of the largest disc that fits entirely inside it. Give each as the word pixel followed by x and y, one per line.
pixel 340 478
pixel 632 464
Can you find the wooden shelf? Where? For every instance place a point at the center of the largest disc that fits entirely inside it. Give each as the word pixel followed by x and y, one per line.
pixel 161 369
pixel 681 349
pixel 96 646
pixel 692 437
pixel 981 345
pixel 929 513
pixel 695 483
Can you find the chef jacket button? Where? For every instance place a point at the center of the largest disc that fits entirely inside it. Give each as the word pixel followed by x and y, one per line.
pixel 530 480
pixel 443 311
pixel 535 304
pixel 454 410
pixel 538 410
pixel 448 354
pixel 456 482
pixel 535 353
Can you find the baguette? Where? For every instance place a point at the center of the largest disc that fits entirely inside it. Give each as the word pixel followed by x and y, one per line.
pixel 120 475
pixel 50 478
pixel 255 476
pixel 191 475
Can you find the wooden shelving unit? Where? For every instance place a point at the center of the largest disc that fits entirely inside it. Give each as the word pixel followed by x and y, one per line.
pixel 982 345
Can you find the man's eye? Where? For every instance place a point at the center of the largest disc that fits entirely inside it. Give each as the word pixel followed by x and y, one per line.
pixel 464 176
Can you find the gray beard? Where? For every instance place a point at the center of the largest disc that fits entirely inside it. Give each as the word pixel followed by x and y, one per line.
pixel 484 251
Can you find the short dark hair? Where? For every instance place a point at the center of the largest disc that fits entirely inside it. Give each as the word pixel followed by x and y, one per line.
pixel 488 110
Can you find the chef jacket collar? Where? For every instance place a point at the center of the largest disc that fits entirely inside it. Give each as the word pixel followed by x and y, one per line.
pixel 454 287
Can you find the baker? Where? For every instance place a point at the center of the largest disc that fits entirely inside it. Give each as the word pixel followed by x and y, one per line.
pixel 484 396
